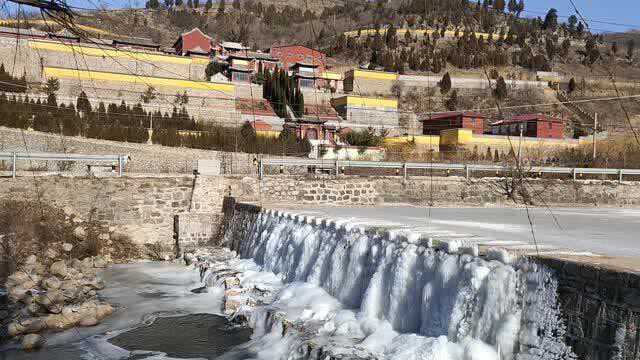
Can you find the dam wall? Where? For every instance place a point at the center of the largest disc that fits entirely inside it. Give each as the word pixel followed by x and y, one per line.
pixel 592 312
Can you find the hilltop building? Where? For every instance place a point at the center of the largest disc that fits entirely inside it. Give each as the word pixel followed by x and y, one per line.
pixel 533 125
pixel 434 124
pixel 194 42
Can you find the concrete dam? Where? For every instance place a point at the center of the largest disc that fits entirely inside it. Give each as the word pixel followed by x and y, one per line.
pixel 349 292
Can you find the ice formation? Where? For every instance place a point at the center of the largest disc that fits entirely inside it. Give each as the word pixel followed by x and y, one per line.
pixel 374 295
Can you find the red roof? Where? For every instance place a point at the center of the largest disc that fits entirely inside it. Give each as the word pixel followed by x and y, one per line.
pixel 453 114
pixel 260 125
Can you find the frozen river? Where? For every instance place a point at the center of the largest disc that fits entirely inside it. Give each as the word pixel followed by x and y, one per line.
pixel 605 231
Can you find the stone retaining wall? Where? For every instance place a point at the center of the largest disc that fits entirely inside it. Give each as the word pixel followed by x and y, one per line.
pixel 354 190
pixel 601 308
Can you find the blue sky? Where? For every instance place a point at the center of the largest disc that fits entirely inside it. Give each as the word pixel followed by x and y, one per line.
pixel 606 15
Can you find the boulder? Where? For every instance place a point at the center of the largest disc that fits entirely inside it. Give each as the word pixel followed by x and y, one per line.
pixel 59 322
pixel 17 278
pixel 88 321
pixel 67 247
pixel 31 260
pixel 52 283
pixel 51 253
pixel 103 310
pixel 32 342
pixel 80 232
pixel 17 293
pixel 59 268
pixel 99 262
pixel 35 309
pixel 15 328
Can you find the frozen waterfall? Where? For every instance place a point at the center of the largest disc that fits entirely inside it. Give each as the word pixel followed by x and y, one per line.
pixel 394 295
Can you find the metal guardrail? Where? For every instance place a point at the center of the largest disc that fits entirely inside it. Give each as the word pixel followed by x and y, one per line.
pixel 336 165
pixel 14 157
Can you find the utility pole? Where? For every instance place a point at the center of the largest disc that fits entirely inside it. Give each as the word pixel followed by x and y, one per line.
pixel 595 129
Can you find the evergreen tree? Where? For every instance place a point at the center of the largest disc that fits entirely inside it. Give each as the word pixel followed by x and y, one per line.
pixel 512 6
pixel 221 7
pixel 520 8
pixel 196 3
pixel 208 5
pixel 152 4
pixel 445 84
pixel 500 91
pixel 190 4
pixel 631 47
pixel 452 102
pixel 551 20
pixel 572 86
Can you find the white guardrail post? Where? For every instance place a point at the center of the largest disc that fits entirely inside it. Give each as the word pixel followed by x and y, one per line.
pixel 13 165
pixel 404 171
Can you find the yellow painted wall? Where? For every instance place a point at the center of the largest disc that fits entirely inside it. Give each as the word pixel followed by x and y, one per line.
pixel 428 140
pixel 268 134
pixel 457 138
pixel 365 102
pixel 224 89
pixel 329 75
pixel 115 53
pixel 374 75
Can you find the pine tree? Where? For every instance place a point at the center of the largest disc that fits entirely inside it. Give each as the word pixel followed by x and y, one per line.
pixel 551 20
pixel 500 91
pixel 445 84
pixel 572 86
pixel 190 4
pixel 208 5
pixel 631 47
pixel 221 7
pixel 520 8
pixel 196 3
pixel 452 102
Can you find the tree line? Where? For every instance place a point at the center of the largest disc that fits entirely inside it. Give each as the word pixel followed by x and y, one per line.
pixel 123 122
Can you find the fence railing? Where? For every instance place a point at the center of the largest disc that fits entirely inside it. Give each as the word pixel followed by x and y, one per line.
pixel 468 169
pixel 116 160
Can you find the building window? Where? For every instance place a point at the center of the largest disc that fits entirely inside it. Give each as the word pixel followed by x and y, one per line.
pixel 240 76
pixel 306 83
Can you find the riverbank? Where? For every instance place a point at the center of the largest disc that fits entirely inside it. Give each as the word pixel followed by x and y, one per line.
pixel 139 293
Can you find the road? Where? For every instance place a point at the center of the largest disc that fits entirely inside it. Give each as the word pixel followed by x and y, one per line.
pixel 603 231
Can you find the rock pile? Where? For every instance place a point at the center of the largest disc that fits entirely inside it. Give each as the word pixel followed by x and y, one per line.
pixel 55 297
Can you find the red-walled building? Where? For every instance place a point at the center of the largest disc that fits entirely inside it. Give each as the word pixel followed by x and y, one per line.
pixel 533 125
pixel 433 124
pixel 194 41
pixel 292 54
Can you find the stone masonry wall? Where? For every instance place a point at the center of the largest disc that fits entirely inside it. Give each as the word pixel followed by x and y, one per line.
pixel 601 308
pixel 142 208
pixel 354 190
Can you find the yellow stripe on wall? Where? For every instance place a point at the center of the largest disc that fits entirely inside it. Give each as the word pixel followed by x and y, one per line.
pixel 375 75
pixel 100 52
pixel 49 72
pixel 366 102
